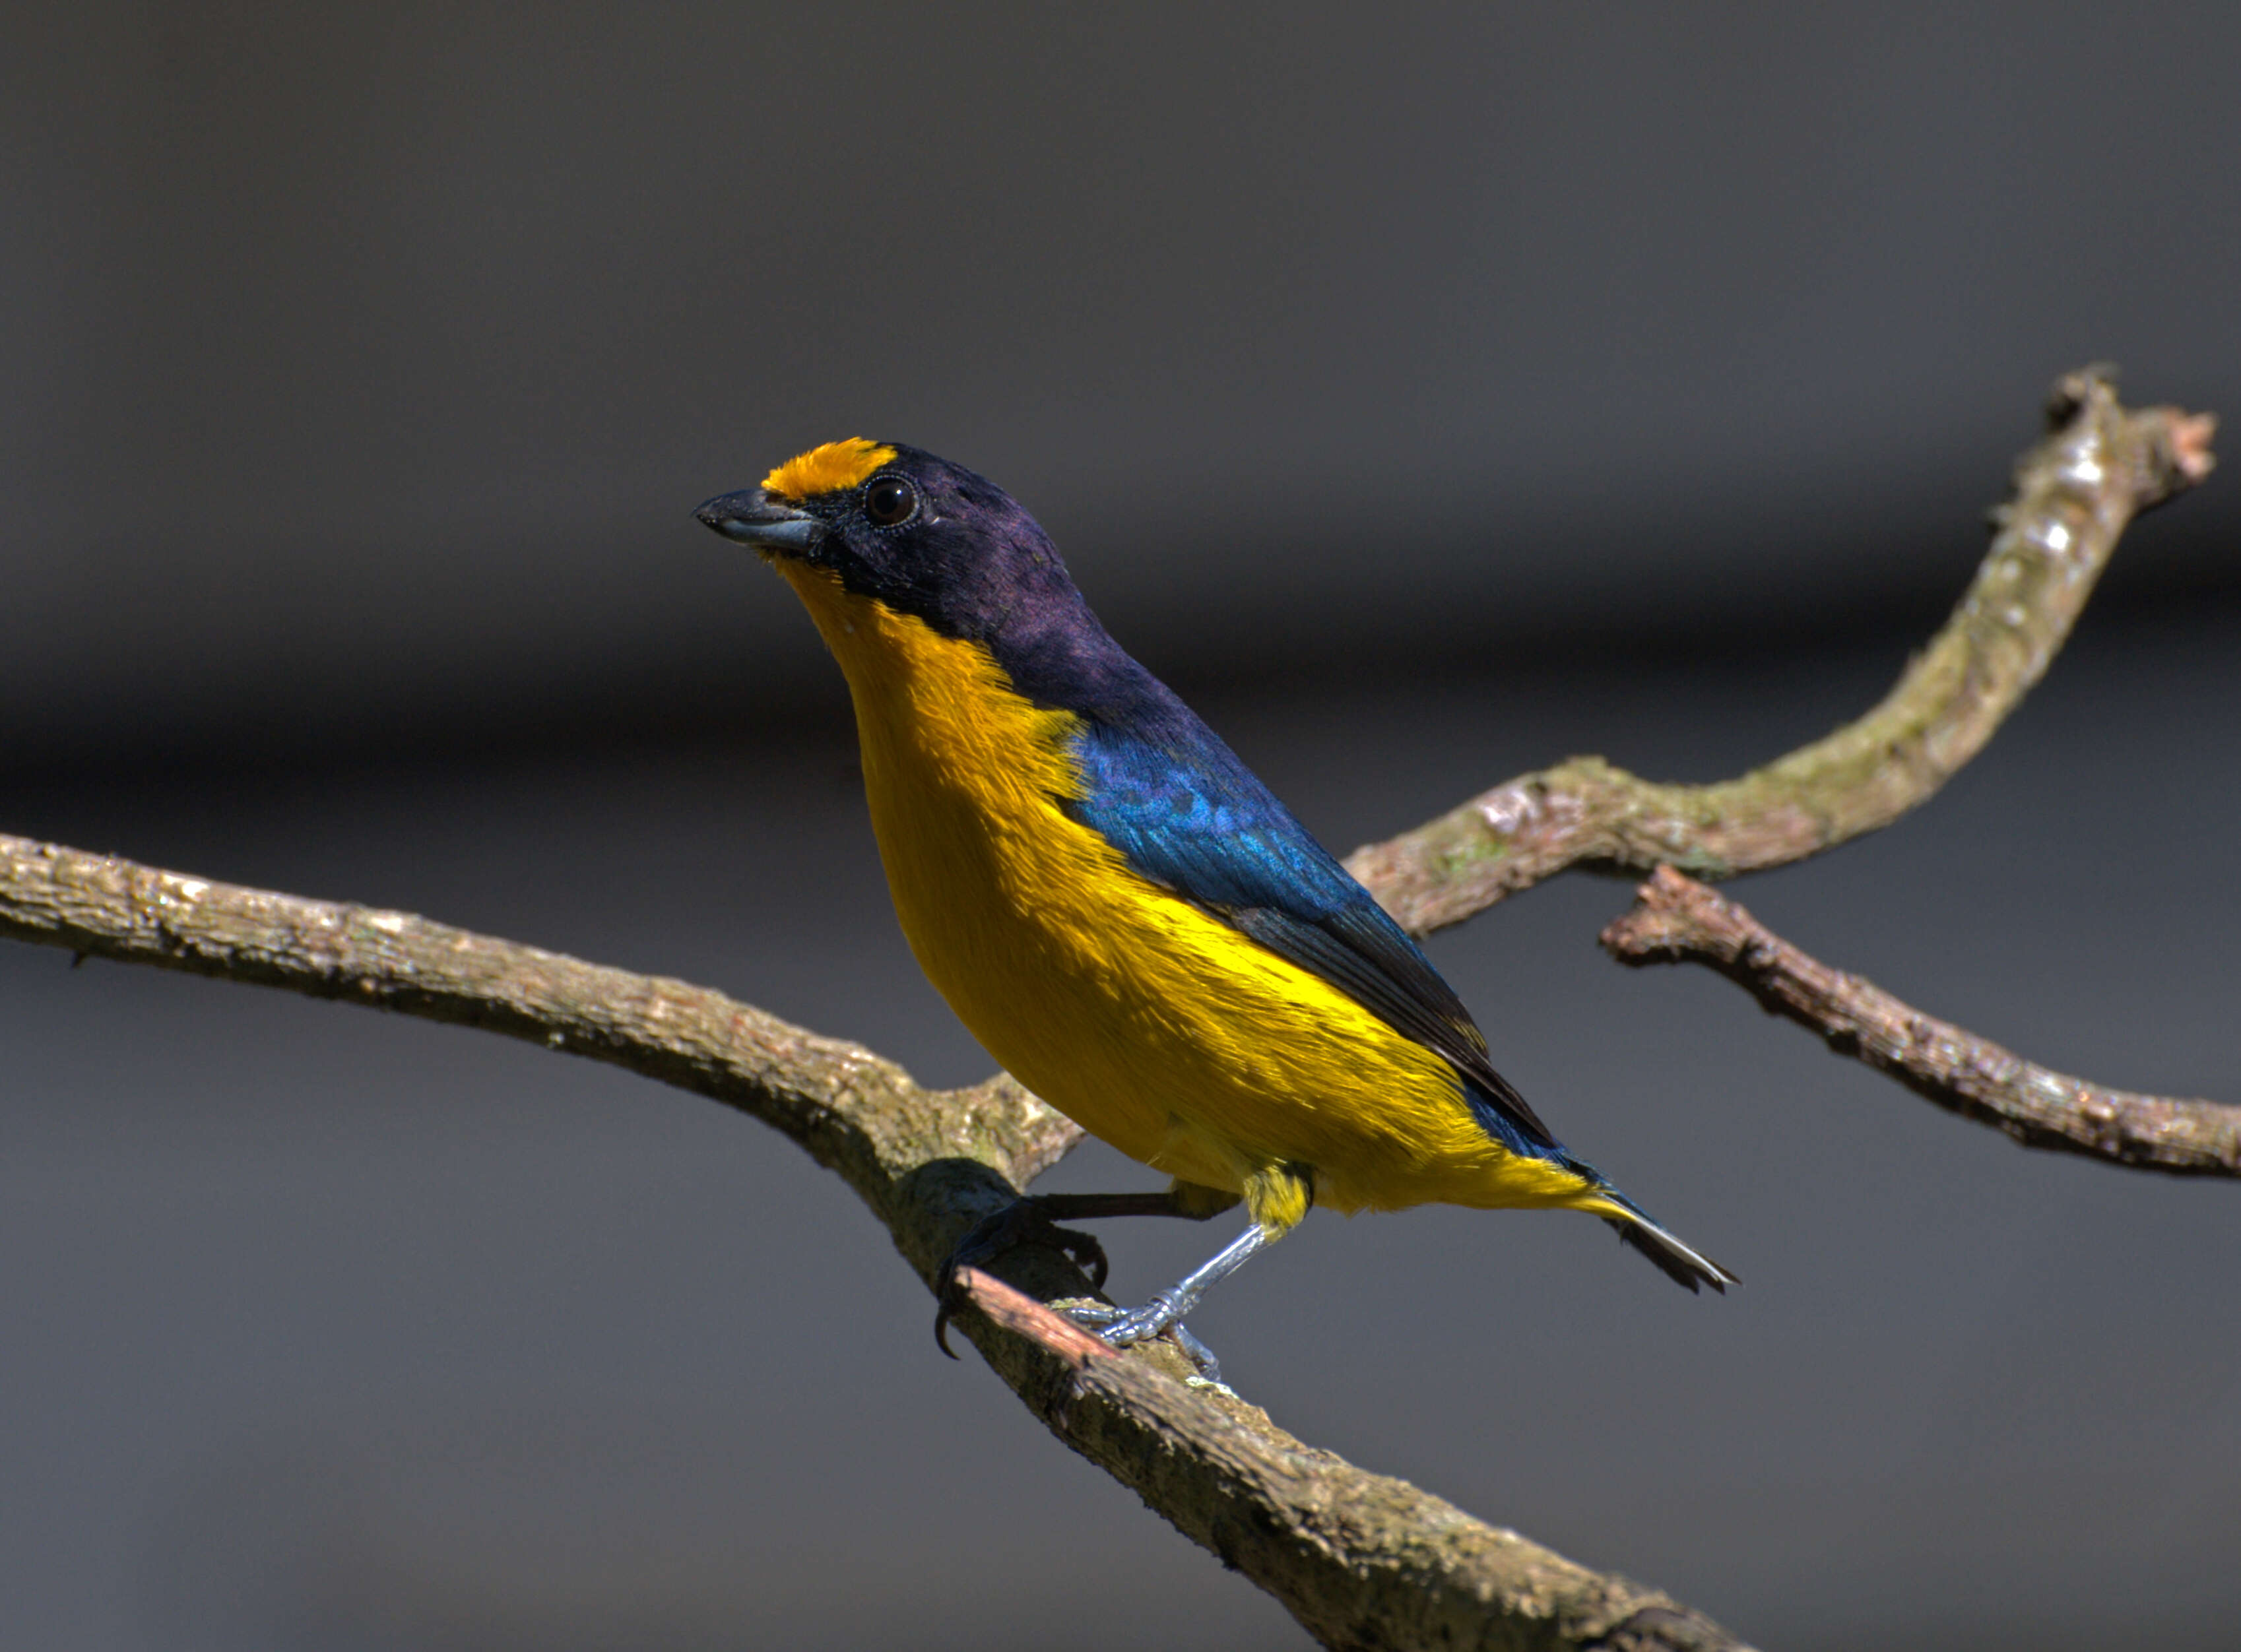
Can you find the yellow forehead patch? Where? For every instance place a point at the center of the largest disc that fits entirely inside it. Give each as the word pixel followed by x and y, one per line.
pixel 823 470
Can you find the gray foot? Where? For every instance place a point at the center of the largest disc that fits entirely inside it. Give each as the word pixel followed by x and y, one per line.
pixel 1162 1316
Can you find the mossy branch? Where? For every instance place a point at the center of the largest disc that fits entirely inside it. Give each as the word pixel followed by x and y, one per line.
pixel 1361 1559
pixel 2099 465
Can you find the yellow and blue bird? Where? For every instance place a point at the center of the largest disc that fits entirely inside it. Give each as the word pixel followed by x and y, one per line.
pixel 1117 907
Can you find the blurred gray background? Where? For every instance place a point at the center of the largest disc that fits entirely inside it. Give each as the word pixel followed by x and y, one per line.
pixel 1430 394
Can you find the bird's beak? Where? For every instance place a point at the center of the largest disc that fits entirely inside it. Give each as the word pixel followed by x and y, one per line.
pixel 753 518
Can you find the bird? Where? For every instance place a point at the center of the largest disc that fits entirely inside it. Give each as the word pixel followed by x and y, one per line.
pixel 1120 912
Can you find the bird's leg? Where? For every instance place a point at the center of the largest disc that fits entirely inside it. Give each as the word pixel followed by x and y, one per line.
pixel 1276 1196
pixel 1165 1312
pixel 1033 1218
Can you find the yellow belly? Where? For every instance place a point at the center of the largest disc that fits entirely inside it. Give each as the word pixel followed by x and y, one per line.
pixel 1156 1026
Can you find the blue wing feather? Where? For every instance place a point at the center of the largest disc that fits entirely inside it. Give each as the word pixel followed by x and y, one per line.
pixel 1183 809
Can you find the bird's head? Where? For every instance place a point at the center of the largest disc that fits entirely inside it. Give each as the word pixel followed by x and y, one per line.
pixel 906 529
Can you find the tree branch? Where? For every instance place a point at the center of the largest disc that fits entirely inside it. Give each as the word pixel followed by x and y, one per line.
pixel 2098 467
pixel 1361 1560
pixel 1676 920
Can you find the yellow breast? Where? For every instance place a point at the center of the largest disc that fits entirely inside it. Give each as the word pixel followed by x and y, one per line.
pixel 1156 1027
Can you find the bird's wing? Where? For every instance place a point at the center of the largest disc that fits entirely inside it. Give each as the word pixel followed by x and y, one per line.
pixel 1186 813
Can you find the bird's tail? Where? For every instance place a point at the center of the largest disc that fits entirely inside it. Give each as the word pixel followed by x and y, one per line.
pixel 1681 1263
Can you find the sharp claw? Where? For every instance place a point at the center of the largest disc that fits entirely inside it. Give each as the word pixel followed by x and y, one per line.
pixel 941 1330
pixel 949 1296
pixel 1209 1368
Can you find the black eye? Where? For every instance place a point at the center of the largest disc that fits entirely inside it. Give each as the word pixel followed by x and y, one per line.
pixel 890 502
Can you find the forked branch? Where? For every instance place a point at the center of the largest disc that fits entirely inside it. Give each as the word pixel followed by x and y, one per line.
pixel 1363 1561
pixel 2099 466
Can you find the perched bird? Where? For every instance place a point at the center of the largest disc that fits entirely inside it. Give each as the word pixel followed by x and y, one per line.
pixel 1119 910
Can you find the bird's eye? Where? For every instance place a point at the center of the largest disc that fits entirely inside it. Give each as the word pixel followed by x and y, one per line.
pixel 890 502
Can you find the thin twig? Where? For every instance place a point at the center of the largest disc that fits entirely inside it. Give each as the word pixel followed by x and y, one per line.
pixel 1676 920
pixel 2098 467
pixel 1041 1324
pixel 1361 1559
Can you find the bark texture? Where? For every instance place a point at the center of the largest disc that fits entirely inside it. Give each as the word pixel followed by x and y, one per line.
pixel 1677 919
pixel 2099 465
pixel 1363 1561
